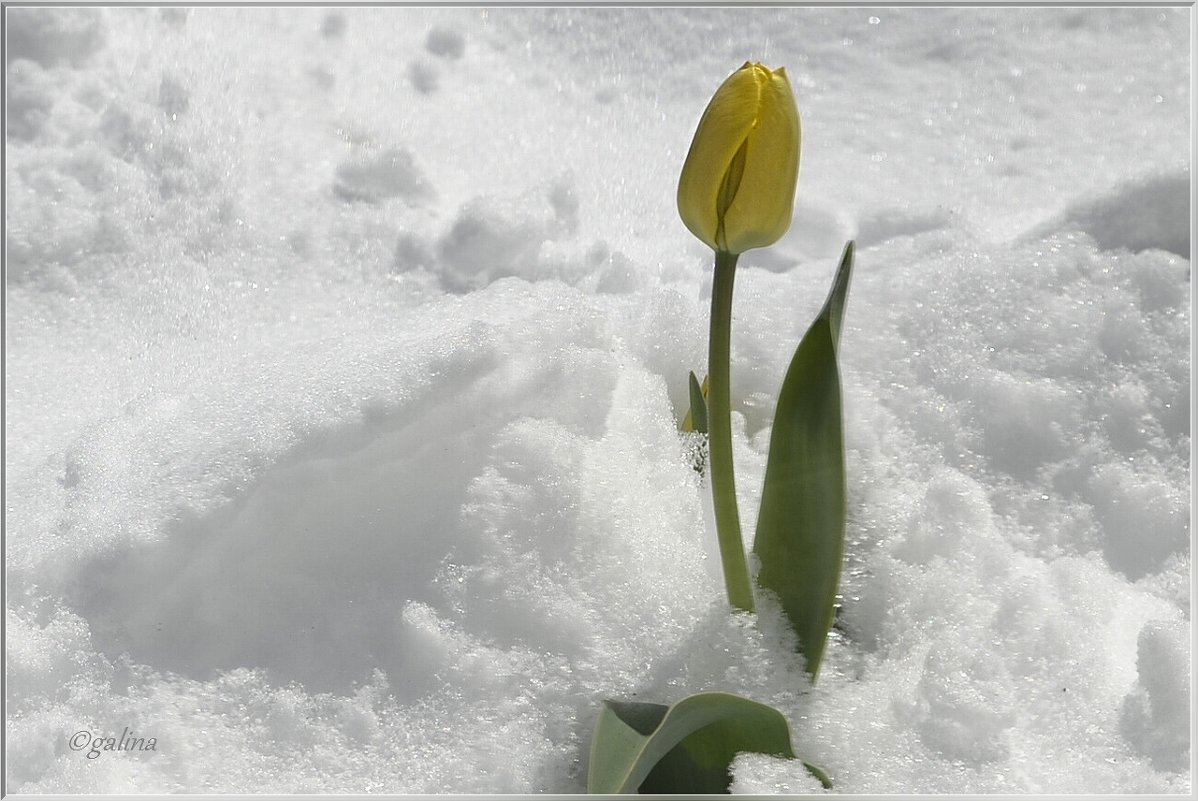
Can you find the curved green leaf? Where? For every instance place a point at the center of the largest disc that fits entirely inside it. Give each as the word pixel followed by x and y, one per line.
pixel 800 525
pixel 686 748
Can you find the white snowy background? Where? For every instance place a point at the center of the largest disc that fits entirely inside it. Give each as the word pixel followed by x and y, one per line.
pixel 346 352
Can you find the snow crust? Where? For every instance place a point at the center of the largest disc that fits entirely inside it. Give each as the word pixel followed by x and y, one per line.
pixel 346 351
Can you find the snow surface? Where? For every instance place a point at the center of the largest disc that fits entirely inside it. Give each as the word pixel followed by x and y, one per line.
pixel 346 352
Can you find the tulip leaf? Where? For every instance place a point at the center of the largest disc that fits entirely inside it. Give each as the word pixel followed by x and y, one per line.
pixel 698 406
pixel 834 305
pixel 800 525
pixel 684 748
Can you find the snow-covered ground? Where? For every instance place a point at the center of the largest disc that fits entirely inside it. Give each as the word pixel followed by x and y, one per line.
pixel 346 352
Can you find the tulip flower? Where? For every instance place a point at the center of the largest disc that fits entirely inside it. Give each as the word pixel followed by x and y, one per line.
pixel 738 182
pixel 737 192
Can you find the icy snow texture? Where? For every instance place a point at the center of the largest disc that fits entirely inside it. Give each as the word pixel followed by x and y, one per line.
pixel 346 351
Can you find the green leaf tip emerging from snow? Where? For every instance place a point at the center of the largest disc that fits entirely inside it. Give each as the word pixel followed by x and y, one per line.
pixel 696 415
pixel 800 525
pixel 698 406
pixel 686 748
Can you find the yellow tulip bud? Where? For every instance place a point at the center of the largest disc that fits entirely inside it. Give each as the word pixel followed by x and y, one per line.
pixel 738 183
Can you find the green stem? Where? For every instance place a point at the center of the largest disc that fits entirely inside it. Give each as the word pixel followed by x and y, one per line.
pixel 719 426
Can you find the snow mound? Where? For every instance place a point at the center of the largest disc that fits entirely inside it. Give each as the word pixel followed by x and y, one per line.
pixel 50 37
pixel 1151 212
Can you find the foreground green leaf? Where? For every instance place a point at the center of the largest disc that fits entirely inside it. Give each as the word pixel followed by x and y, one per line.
pixel 800 525
pixel 686 748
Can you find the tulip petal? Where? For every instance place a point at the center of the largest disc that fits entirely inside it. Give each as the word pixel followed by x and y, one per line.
pixel 760 216
pixel 728 190
pixel 723 129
